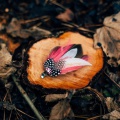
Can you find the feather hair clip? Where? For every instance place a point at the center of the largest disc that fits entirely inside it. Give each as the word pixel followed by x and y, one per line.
pixel 65 59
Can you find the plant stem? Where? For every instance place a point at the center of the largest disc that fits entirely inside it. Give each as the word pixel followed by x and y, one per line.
pixel 24 94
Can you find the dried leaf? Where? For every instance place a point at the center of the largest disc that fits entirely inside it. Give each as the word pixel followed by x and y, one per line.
pixel 114 115
pixel 9 106
pixel 11 44
pixel 115 78
pixel 3 21
pixel 108 37
pixel 13 26
pixel 15 29
pixel 37 32
pixel 66 16
pixel 111 104
pixel 9 85
pixel 61 111
pixel 55 97
pixel 5 63
pixel 85 101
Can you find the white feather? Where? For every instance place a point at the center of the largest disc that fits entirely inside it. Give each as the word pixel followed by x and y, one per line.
pixel 71 62
pixel 70 54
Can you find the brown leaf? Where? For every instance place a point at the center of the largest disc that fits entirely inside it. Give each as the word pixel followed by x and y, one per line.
pixel 37 32
pixel 61 110
pixel 108 37
pixel 9 106
pixel 115 78
pixel 11 45
pixel 14 25
pixel 15 29
pixel 66 16
pixel 111 104
pixel 5 59
pixel 114 115
pixel 54 97
pixel 3 21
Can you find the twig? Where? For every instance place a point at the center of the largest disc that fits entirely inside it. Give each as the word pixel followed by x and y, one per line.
pixel 4 115
pixel 112 80
pixel 24 113
pixel 24 94
pixel 58 4
pixel 34 19
pixel 10 115
pixel 93 118
pixel 72 25
pixel 19 116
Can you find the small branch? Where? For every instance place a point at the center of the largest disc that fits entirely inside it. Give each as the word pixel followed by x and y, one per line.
pixel 24 113
pixel 24 94
pixel 112 80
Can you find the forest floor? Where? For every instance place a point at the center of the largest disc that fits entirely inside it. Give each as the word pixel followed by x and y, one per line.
pixel 30 20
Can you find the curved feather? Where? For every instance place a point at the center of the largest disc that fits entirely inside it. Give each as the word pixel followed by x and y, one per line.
pixel 72 50
pixel 54 52
pixel 58 52
pixel 79 50
pixel 70 69
pixel 70 54
pixel 72 64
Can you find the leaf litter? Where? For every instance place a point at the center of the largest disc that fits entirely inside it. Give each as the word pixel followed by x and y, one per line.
pixel 6 68
pixel 82 15
pixel 61 111
pixel 108 37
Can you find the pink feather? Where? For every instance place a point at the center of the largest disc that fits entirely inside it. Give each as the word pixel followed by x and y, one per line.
pixel 70 69
pixel 58 52
pixel 72 64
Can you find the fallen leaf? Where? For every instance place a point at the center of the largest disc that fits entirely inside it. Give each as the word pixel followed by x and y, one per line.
pixel 9 106
pixel 9 85
pixel 115 78
pixel 114 115
pixel 108 37
pixel 111 104
pixel 61 111
pixel 37 32
pixel 55 97
pixel 3 21
pixel 66 16
pixel 85 101
pixel 14 25
pixel 5 63
pixel 11 45
pixel 15 29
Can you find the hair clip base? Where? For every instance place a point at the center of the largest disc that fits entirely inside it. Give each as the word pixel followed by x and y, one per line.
pixel 43 74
